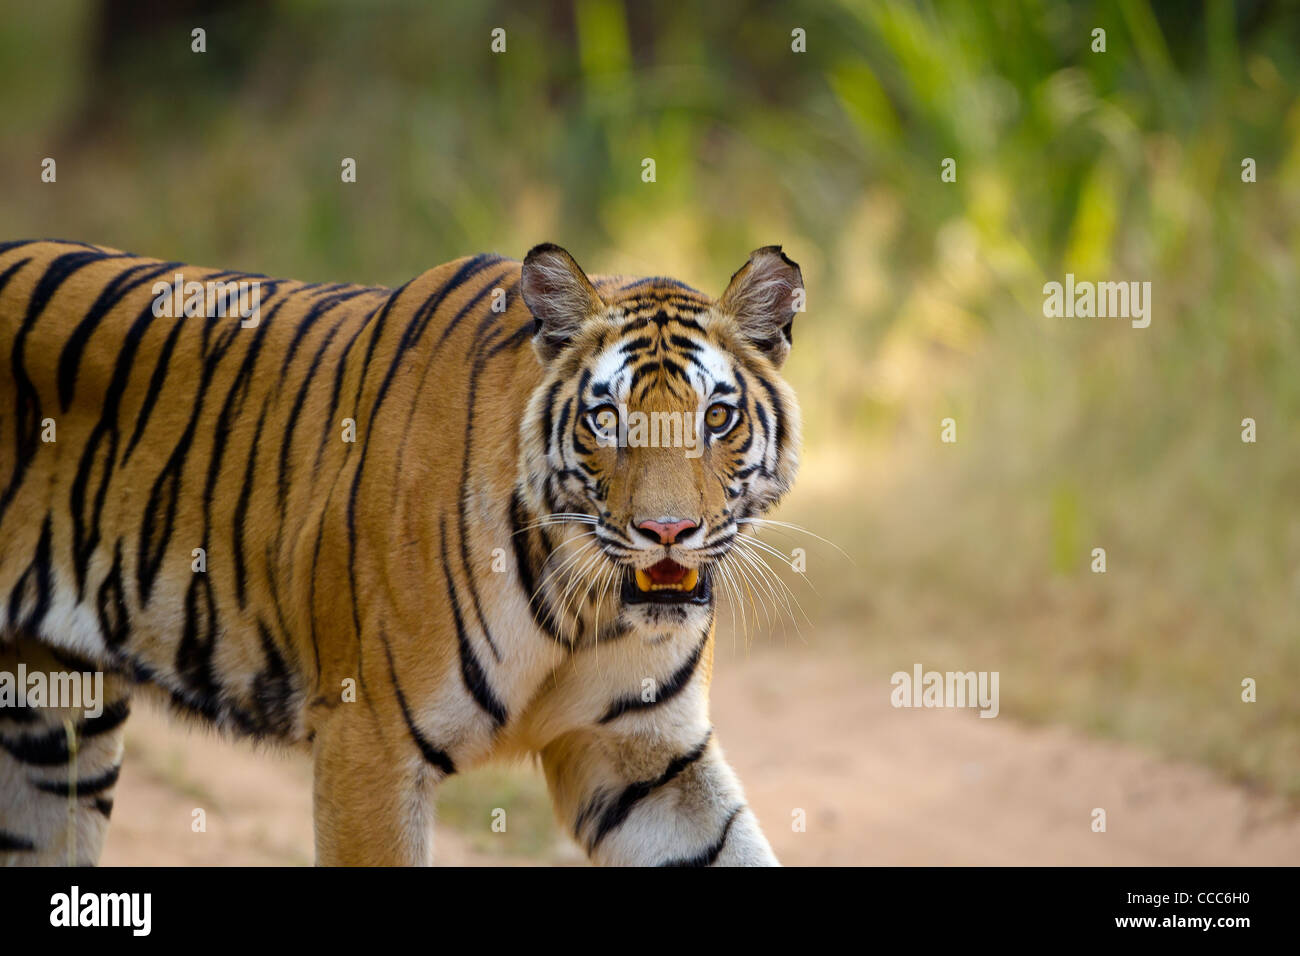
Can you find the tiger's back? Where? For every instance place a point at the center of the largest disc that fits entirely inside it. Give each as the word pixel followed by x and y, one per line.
pixel 174 488
pixel 136 474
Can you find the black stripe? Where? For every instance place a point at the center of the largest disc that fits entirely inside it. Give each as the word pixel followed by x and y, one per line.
pixel 110 603
pixel 689 324
pixel 637 344
pixel 159 517
pixel 380 321
pixel 672 284
pixel 688 345
pixel 471 670
pixel 326 424
pixel 524 570
pixel 27 402
pixel 311 597
pixel 47 750
pixel 112 294
pixel 418 323
pixel 659 320
pixel 51 748
pixel 37 579
pixel 517 338
pixel 649 370
pixel 340 370
pixel 431 754
pixel 199 641
pixel 613 630
pixel 709 856
pixel 163 364
pixel 71 661
pixel 9 273
pixel 13 843
pixel 742 402
pixel 761 414
pixel 778 411
pixel 614 814
pixel 494 282
pixel 300 398
pixel 416 326
pixel 279 608
pixel 85 534
pixel 274 691
pixel 341 366
pixel 160 367
pixel 409 338
pixel 560 427
pixel 241 514
pixel 410 431
pixel 18 243
pixel 548 414
pixel 463 522
pixel 667 691
pixel 84 788
pixel 113 716
pixel 318 309
pixel 184 702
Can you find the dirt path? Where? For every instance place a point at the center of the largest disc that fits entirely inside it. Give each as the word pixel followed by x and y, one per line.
pixel 806 729
pixel 902 787
pixel 257 805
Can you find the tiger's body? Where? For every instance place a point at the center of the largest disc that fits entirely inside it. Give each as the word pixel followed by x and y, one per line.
pixel 376 525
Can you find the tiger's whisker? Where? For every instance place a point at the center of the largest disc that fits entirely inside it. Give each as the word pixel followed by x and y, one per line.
pixel 794 527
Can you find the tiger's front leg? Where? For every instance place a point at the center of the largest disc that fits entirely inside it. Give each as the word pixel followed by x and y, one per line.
pixel 372 795
pixel 642 797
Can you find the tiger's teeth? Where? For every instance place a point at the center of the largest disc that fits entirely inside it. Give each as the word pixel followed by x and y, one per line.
pixel 644 582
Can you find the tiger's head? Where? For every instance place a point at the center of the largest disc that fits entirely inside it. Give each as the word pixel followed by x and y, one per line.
pixel 661 428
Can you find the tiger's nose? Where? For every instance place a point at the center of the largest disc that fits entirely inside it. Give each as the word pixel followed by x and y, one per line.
pixel 667 530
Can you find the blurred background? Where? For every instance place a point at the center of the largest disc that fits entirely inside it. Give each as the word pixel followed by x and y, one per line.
pixel 1119 690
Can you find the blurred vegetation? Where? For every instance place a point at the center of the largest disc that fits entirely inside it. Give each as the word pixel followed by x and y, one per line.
pixel 925 297
pixel 505 811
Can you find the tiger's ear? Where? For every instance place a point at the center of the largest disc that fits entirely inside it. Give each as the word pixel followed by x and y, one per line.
pixel 559 295
pixel 763 297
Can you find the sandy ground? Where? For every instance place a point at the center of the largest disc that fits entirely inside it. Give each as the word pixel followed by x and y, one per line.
pixel 807 730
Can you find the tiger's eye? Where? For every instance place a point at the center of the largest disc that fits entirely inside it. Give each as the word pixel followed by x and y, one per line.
pixel 605 417
pixel 717 415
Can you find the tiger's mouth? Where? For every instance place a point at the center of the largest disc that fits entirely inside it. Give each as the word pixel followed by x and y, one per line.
pixel 667 582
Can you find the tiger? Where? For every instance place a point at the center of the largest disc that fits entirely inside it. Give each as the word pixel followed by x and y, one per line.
pixel 405 530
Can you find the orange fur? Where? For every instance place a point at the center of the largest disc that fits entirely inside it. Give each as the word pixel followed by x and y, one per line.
pixel 370 599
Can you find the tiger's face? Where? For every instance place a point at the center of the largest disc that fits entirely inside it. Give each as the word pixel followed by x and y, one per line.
pixel 661 428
